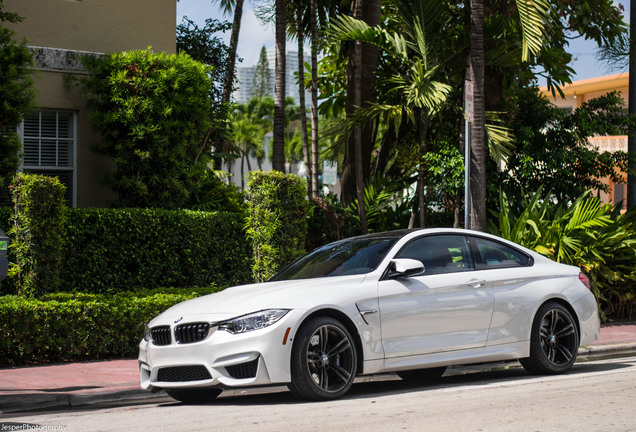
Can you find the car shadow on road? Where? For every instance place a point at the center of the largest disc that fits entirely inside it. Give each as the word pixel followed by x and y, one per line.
pixel 390 384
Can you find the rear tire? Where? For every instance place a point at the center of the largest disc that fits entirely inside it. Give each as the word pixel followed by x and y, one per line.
pixel 194 395
pixel 423 375
pixel 324 360
pixel 554 341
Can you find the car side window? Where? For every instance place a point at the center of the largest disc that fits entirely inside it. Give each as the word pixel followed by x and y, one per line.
pixel 492 254
pixel 440 253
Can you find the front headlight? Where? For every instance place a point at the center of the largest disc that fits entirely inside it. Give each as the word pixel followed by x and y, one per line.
pixel 253 321
pixel 147 333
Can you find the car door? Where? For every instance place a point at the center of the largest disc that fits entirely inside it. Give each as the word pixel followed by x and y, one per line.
pixel 515 282
pixel 447 307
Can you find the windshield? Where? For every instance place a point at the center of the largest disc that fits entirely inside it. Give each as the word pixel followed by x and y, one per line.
pixel 353 256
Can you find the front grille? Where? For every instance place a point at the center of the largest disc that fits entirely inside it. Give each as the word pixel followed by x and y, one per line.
pixel 243 370
pixel 183 374
pixel 192 332
pixel 161 335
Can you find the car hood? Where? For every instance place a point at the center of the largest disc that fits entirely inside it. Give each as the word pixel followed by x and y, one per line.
pixel 244 299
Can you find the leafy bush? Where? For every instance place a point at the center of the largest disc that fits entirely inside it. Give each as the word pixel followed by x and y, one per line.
pixel 277 222
pixel 39 217
pixel 588 234
pixel 552 149
pixel 107 250
pixel 72 327
pixel 152 110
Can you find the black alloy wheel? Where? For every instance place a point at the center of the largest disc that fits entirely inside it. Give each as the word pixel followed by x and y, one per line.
pixel 324 362
pixel 554 341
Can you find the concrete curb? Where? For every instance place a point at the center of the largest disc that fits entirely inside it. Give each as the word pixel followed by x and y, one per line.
pixel 42 401
pixel 601 352
pixel 29 402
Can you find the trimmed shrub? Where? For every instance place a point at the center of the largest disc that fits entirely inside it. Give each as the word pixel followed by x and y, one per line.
pixel 39 217
pixel 68 327
pixel 277 222
pixel 153 112
pixel 109 250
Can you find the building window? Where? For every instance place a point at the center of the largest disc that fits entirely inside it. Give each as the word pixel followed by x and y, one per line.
pixel 49 144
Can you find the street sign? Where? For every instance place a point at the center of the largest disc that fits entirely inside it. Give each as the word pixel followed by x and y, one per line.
pixel 468 101
pixel 329 172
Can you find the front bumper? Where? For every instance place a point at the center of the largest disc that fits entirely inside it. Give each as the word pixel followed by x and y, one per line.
pixel 223 360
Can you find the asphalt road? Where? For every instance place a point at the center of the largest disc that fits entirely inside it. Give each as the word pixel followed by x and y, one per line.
pixel 594 396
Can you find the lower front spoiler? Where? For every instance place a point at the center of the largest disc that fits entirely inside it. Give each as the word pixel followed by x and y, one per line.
pixel 244 370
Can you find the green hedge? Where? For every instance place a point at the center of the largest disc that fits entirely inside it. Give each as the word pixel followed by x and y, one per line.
pixel 66 327
pixel 109 250
pixel 39 204
pixel 277 221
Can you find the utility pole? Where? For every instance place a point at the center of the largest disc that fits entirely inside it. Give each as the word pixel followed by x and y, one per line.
pixel 469 114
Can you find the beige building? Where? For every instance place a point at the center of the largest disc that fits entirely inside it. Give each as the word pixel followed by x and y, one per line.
pixel 57 136
pixel 580 91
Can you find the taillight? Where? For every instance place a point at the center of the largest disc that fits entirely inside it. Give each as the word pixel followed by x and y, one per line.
pixel 586 280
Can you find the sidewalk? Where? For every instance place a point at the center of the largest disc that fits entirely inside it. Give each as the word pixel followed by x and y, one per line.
pixel 65 386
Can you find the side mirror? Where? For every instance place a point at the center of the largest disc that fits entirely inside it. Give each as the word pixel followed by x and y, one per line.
pixel 404 267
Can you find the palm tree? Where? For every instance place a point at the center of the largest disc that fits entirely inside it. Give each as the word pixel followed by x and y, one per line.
pixel 416 93
pixel 475 72
pixel 369 12
pixel 278 144
pixel 300 33
pixel 249 123
pixel 314 96
pixel 533 15
pixel 318 17
pixel 228 6
pixel 228 82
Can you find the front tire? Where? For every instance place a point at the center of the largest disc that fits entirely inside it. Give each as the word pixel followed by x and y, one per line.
pixel 554 341
pixel 194 395
pixel 324 360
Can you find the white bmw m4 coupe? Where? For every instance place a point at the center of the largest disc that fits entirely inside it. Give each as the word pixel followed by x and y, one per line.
pixel 411 302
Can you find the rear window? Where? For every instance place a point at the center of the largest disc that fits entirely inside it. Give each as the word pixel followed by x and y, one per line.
pixel 492 254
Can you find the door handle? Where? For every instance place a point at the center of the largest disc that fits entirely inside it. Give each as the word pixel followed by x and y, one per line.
pixel 475 283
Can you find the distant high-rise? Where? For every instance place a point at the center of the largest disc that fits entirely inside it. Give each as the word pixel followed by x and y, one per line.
pixel 245 77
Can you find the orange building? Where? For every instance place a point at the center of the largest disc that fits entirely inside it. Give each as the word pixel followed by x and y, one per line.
pixel 583 90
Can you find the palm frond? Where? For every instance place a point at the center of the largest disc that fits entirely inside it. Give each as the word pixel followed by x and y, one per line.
pixel 533 16
pixel 500 137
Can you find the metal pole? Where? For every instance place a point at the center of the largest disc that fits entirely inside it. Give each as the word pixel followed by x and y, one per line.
pixel 467 175
pixel 631 140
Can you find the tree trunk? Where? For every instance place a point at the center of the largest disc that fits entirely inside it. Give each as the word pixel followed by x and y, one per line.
pixel 228 81
pixel 370 14
pixel 242 172
pixel 423 129
pixel 357 134
pixel 301 96
pixel 278 141
pixel 478 131
pixel 314 97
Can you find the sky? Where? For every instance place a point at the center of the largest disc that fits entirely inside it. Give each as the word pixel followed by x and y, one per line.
pixel 254 35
